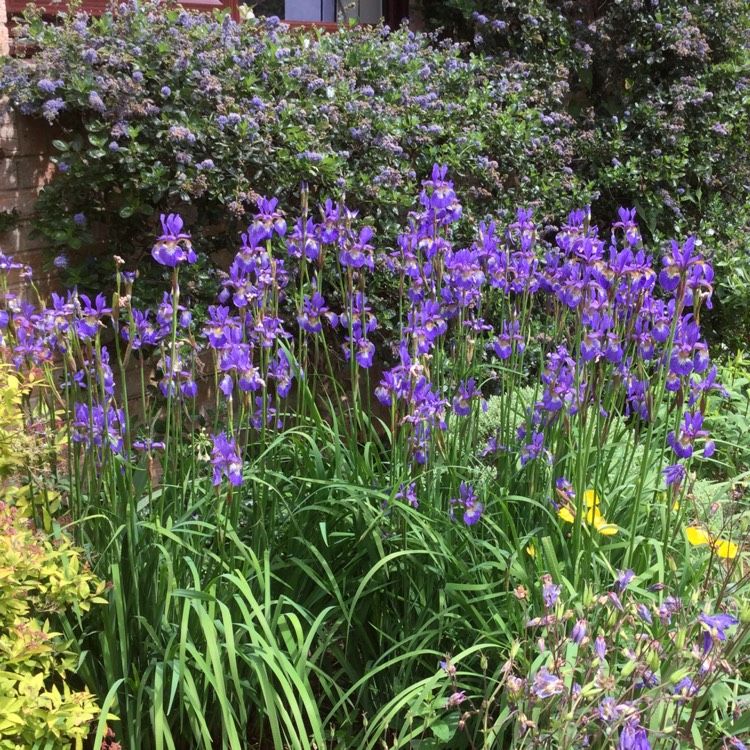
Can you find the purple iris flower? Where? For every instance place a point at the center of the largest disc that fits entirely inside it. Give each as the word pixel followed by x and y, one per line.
pixel 440 193
pixel 674 474
pixel 303 240
pixel 145 332
pixel 89 322
pixel 328 232
pixel 689 353
pixel 226 460
pixel 427 324
pixel 7 264
pixel 534 449
pixel 503 344
pixel 175 376
pixel 612 348
pixel 226 386
pixel 690 431
pixel 362 319
pixel 628 225
pixel 358 254
pixel 222 329
pixel 591 345
pixel 280 370
pixel 98 427
pixel 468 500
pixel 240 359
pixel 707 384
pixel 262 404
pixel 467 391
pixel 267 330
pixel 267 221
pixel 465 275
pixel 174 246
pixel 313 310
pixel 148 445
pixel 394 385
pixel 408 493
pixel 677 263
pixel 364 352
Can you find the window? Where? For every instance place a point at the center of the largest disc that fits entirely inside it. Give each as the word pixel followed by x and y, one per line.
pixel 300 11
pixel 320 11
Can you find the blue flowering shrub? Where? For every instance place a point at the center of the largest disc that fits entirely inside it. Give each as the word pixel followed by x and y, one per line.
pixel 162 109
pixel 300 517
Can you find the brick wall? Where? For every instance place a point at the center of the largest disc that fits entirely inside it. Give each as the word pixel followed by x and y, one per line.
pixel 25 145
pixel 24 168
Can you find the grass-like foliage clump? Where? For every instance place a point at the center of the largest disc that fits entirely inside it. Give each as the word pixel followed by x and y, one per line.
pixel 318 533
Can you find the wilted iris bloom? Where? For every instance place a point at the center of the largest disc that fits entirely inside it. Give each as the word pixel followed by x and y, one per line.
pixel 456 699
pixel 674 474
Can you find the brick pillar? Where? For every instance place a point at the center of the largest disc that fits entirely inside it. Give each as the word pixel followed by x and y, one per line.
pixel 4 37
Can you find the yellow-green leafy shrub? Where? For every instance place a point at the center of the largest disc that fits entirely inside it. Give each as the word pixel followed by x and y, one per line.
pixel 40 577
pixel 30 450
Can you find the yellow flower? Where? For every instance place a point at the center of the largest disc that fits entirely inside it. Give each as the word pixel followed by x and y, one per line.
pixel 726 549
pixel 566 514
pixel 531 551
pixel 723 547
pixel 593 515
pixel 606 529
pixel 697 536
pixel 591 499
